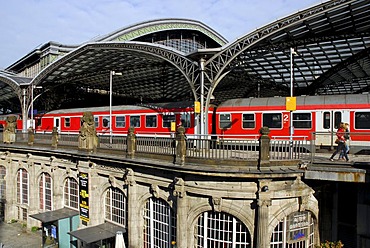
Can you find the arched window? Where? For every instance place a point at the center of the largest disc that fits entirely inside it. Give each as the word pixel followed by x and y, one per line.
pixel 2 182
pixel 71 193
pixel 22 186
pixel 116 206
pixel 45 192
pixel 159 224
pixel 219 229
pixel 294 231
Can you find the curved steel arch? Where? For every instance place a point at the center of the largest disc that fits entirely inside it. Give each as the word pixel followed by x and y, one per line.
pixel 14 82
pixel 187 67
pixel 134 31
pixel 216 65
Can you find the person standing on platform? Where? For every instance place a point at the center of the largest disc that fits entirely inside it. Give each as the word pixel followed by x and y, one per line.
pixel 346 136
pixel 341 142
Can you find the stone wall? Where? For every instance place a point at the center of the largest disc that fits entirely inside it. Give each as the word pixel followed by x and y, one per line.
pixel 260 201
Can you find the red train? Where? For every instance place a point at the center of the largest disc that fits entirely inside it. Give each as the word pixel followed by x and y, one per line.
pixel 233 118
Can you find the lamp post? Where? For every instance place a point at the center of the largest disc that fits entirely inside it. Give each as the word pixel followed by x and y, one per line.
pixel 32 100
pixel 111 74
pixel 291 129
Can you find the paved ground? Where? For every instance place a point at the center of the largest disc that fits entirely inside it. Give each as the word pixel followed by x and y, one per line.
pixel 12 236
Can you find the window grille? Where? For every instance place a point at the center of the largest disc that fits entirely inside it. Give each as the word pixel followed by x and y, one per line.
pixel 22 186
pixel 115 206
pixel 71 194
pixel 2 182
pixel 159 224
pixel 45 192
pixel 216 229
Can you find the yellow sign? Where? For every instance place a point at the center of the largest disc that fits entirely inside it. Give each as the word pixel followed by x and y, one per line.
pixel 291 103
pixel 173 126
pixel 197 107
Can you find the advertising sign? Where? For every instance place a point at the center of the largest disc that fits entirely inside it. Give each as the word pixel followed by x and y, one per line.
pixel 298 226
pixel 84 196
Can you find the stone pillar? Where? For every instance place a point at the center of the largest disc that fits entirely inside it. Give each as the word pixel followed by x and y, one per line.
pixel 263 203
pixel 180 146
pixel 88 138
pixel 131 143
pixel 181 211
pixel 54 137
pixel 264 142
pixel 31 136
pixel 10 128
pixel 133 208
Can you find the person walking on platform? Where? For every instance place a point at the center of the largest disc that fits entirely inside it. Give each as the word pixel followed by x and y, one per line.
pixel 341 141
pixel 346 136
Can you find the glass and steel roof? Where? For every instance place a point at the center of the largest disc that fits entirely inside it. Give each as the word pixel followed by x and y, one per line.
pixel 331 54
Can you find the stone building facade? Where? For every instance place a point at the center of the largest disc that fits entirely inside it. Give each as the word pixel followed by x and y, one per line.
pixel 161 203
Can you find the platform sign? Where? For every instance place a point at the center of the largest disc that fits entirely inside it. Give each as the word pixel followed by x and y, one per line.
pixel 291 103
pixel 84 196
pixel 298 226
pixel 196 107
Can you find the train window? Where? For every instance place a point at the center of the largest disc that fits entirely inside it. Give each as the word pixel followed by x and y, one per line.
pixel 272 120
pixel 96 120
pixel 326 120
pixel 167 119
pixel 151 121
pixel 120 121
pixel 225 121
pixel 67 122
pixel 248 121
pixel 135 121
pixel 302 120
pixel 185 119
pixel 38 121
pixel 337 119
pixel 362 120
pixel 105 121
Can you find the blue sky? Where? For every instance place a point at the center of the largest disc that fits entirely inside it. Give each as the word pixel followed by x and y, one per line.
pixel 26 24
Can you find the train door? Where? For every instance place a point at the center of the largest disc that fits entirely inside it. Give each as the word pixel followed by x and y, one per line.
pixel 57 123
pixel 327 123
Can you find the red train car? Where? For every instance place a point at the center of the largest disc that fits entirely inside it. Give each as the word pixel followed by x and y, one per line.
pixel 149 119
pixel 314 114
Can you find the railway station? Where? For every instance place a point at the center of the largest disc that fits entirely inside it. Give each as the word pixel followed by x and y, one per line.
pixel 172 136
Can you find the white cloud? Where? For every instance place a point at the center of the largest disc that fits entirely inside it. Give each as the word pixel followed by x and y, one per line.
pixel 25 24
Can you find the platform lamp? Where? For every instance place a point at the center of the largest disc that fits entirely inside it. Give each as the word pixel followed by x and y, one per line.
pixel 32 100
pixel 111 74
pixel 291 103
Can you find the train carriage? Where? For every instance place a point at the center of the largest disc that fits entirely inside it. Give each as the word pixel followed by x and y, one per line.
pixel 319 115
pixel 151 119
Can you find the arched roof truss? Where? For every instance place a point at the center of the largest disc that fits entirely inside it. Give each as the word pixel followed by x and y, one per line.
pixel 135 31
pixel 11 89
pixel 150 73
pixel 330 40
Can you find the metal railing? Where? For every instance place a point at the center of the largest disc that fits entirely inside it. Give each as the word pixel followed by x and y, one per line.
pixel 201 147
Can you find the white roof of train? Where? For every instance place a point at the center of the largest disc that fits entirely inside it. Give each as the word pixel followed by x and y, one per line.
pixel 301 100
pixel 171 105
